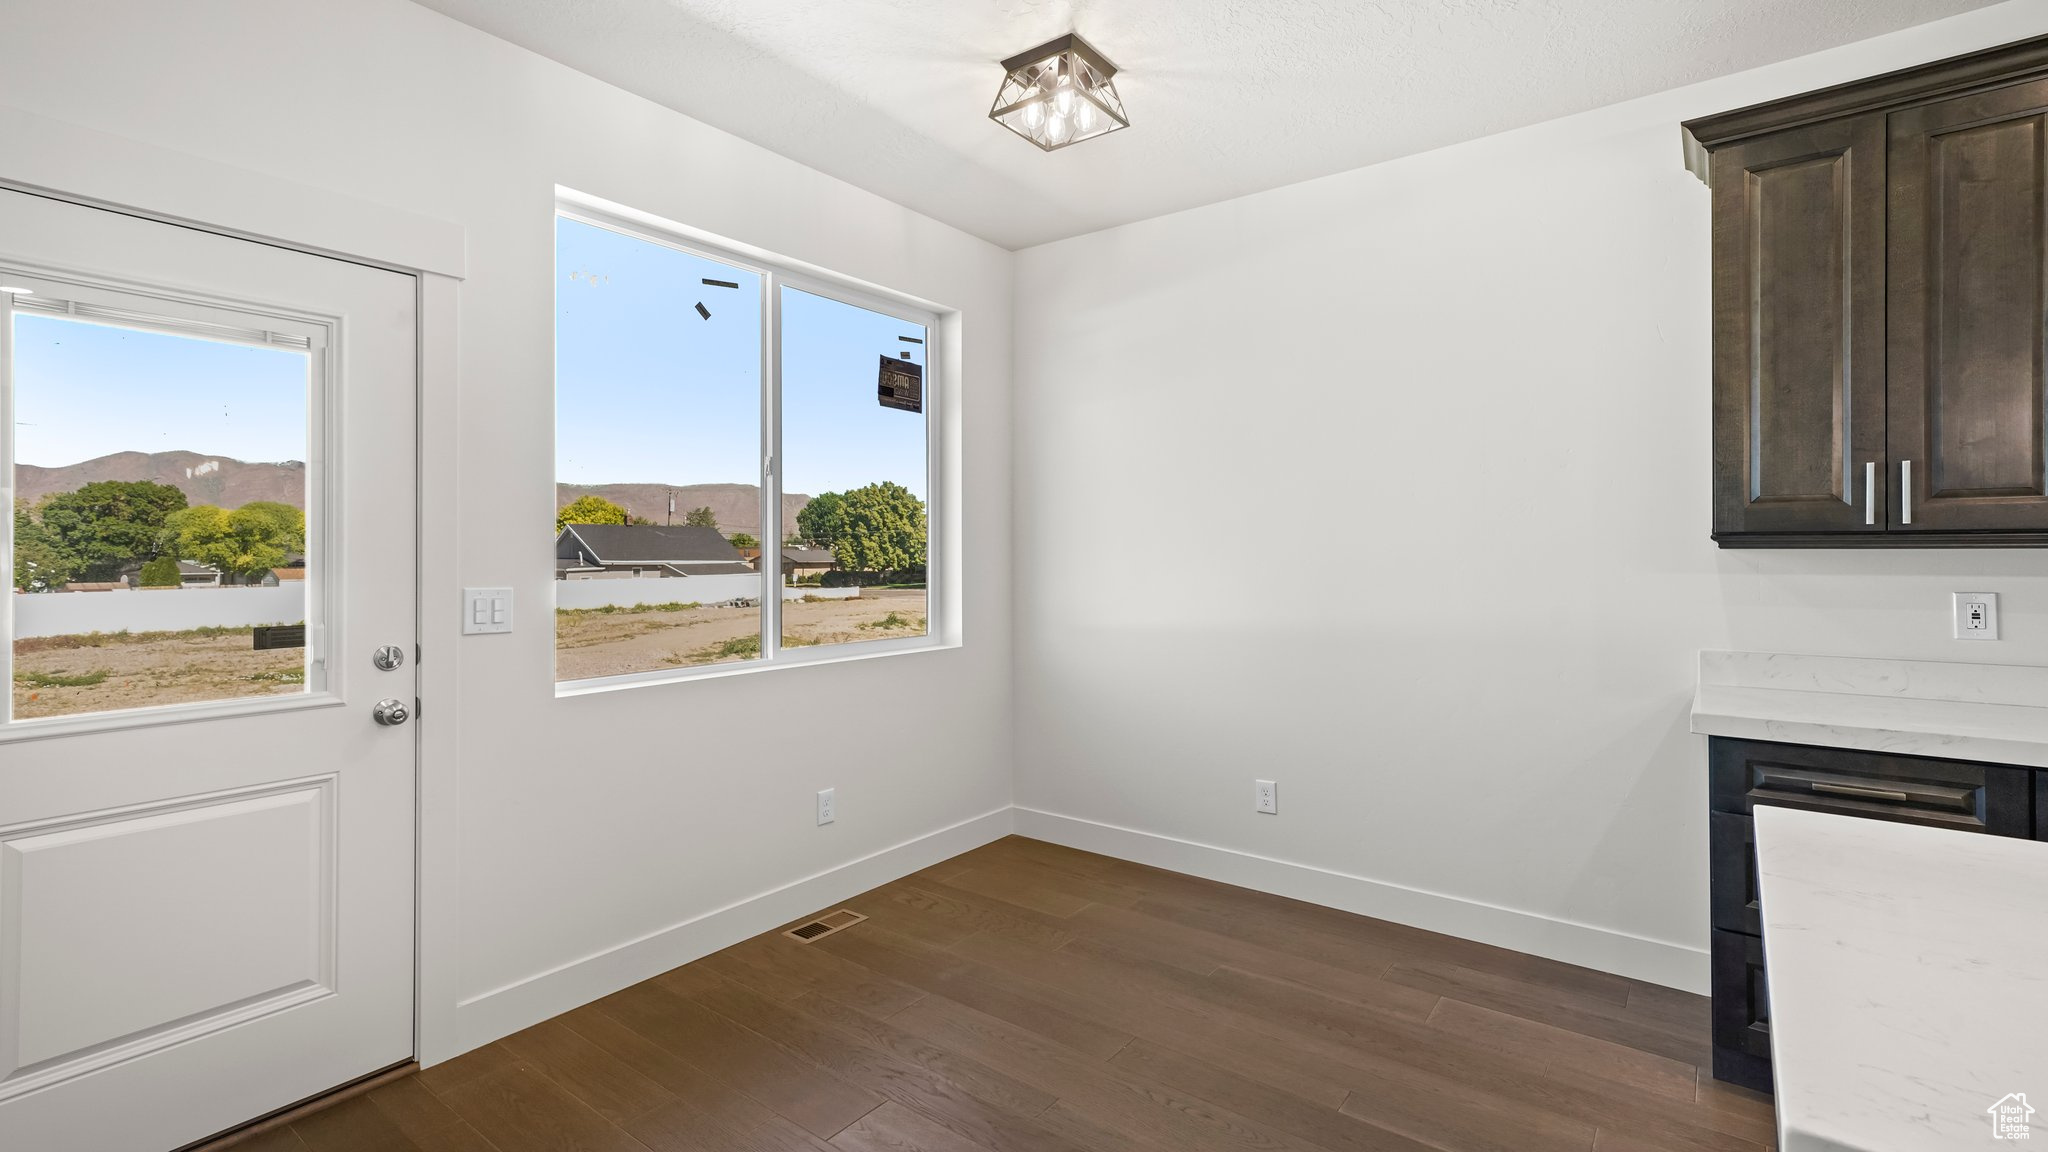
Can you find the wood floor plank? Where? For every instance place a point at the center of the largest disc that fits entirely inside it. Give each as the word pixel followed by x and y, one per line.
pixel 944 973
pixel 1104 1099
pixel 707 1106
pixel 351 1125
pixel 411 1105
pixel 776 966
pixel 799 1089
pixel 980 1080
pixel 605 1084
pixel 1019 888
pixel 521 1110
pixel 1000 1124
pixel 1605 1059
pixel 1323 1127
pixel 1591 1016
pixel 971 912
pixel 895 1128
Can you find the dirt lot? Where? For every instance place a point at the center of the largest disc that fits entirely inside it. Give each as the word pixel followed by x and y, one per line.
pixel 592 642
pixel 63 675
pixel 102 672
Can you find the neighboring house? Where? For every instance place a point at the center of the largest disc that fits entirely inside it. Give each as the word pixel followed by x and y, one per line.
pixel 191 574
pixel 802 563
pixel 613 551
pixel 294 569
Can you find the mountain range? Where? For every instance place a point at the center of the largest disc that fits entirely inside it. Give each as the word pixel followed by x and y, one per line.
pixel 229 483
pixel 217 480
pixel 737 506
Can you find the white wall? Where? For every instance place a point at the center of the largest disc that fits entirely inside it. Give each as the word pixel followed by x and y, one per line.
pixel 1473 385
pixel 157 610
pixel 582 870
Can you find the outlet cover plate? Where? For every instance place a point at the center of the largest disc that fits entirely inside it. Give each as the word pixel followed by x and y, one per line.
pixel 1267 797
pixel 1976 615
pixel 827 806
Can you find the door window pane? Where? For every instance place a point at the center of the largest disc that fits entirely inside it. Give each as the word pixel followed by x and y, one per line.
pixel 854 446
pixel 657 457
pixel 159 537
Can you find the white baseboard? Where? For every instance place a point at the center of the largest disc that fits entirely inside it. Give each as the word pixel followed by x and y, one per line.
pixel 503 1011
pixel 1655 961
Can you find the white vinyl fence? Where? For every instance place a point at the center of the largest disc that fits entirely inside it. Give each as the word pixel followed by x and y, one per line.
pixel 157 610
pixel 627 591
pixel 631 590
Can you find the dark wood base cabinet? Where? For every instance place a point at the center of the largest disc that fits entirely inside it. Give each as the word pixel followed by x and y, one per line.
pixel 1993 799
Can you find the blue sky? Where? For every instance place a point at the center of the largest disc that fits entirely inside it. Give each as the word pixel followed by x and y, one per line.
pixel 84 390
pixel 647 391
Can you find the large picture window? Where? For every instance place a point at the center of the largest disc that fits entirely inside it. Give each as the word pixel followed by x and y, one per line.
pixel 743 461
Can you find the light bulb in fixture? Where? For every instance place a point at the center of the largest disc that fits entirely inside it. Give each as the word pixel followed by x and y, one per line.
pixel 1084 118
pixel 1063 96
pixel 1034 113
pixel 1056 128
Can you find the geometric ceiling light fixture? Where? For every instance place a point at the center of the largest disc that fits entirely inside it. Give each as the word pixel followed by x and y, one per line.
pixel 1059 93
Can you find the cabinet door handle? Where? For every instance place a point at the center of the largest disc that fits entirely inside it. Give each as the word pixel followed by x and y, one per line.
pixel 1859 790
pixel 1905 491
pixel 1870 492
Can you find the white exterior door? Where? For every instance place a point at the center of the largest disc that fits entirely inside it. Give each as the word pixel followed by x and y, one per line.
pixel 206 837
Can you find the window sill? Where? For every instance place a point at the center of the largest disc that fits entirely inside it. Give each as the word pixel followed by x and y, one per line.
pixel 799 658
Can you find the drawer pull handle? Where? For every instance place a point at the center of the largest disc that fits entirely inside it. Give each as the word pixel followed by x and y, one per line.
pixel 1891 794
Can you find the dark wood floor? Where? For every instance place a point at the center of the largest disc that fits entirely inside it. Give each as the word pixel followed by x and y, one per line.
pixel 1029 997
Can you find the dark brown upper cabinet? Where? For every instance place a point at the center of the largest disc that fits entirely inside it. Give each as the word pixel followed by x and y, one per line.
pixel 1880 264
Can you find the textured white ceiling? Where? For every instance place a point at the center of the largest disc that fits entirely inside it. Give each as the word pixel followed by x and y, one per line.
pixel 1226 96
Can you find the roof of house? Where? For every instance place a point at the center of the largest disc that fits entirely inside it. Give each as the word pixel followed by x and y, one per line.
pixel 651 544
pixel 808 557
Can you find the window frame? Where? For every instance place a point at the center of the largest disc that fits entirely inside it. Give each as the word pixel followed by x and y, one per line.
pixel 147 307
pixel 775 274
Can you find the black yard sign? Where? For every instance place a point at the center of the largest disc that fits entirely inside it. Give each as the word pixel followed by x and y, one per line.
pixel 901 385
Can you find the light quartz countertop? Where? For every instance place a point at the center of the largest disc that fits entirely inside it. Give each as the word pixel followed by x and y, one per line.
pixel 1909 981
pixel 1991 712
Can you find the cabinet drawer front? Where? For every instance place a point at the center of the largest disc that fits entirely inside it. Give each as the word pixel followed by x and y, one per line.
pixel 1955 794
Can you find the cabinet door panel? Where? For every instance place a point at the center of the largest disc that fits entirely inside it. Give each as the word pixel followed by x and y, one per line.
pixel 1969 277
pixel 1799 330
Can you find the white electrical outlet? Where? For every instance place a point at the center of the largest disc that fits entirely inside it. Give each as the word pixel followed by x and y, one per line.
pixel 1976 615
pixel 825 806
pixel 1268 797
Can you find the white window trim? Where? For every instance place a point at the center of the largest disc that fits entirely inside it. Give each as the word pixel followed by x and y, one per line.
pixel 777 273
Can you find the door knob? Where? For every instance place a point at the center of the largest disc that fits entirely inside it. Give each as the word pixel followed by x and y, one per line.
pixel 391 713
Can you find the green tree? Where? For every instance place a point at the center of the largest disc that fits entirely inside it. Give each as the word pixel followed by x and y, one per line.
pixel 701 518
pixel 244 544
pixel 40 562
pixel 589 509
pixel 109 524
pixel 881 529
pixel 161 572
pixel 742 540
pixel 819 520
